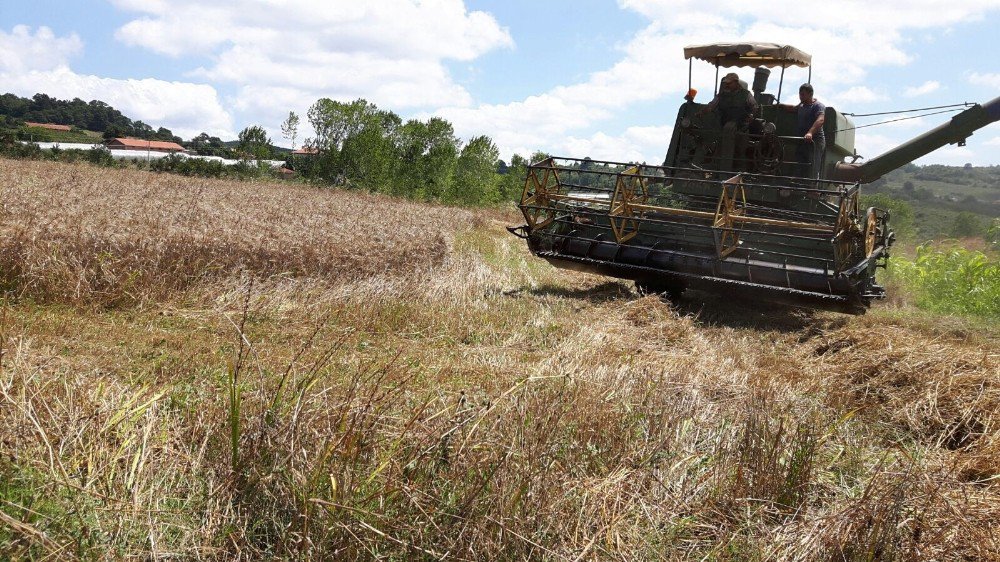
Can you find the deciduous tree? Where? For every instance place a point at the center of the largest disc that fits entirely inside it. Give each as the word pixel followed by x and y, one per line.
pixel 254 143
pixel 290 128
pixel 334 121
pixel 476 179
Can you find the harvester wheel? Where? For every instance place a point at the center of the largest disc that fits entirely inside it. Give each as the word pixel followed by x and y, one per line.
pixel 872 234
pixel 670 289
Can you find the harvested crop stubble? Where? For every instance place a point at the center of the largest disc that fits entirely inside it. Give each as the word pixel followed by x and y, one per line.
pixel 942 391
pixel 73 233
pixel 491 410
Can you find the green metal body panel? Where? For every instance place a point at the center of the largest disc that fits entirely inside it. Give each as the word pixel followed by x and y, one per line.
pixel 687 149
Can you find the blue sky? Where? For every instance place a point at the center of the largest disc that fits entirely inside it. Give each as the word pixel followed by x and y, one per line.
pixel 583 78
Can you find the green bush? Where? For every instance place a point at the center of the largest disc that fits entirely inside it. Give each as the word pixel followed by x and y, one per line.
pixel 21 151
pixel 966 225
pixel 176 164
pixel 951 280
pixel 101 157
pixel 993 234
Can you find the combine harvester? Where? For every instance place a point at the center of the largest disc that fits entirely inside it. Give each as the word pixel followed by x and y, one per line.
pixel 754 222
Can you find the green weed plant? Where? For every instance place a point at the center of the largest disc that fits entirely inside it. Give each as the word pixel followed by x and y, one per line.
pixel 951 280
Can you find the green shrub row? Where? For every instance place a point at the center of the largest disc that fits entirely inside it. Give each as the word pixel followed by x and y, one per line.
pixel 170 164
pixel 951 280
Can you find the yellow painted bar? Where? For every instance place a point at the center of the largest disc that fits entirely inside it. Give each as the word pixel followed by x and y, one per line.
pixel 739 218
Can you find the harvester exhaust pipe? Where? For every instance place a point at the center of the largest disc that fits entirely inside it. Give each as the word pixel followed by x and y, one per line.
pixel 957 130
pixel 760 77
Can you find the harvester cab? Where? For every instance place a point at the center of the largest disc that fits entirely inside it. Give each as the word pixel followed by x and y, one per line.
pixel 742 204
pixel 757 137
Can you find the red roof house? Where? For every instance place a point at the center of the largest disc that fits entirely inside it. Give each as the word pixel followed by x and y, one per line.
pixel 140 144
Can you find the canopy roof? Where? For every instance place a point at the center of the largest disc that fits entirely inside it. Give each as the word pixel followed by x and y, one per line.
pixel 749 54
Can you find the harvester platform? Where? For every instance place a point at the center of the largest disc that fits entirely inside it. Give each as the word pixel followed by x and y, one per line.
pixel 780 238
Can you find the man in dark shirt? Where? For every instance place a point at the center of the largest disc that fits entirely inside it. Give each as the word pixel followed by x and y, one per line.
pixel 811 116
pixel 736 107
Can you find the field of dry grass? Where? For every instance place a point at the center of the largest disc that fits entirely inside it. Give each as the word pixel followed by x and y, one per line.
pixel 72 233
pixel 200 369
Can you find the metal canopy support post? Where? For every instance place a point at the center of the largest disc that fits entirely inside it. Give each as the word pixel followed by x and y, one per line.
pixel 690 66
pixel 781 82
pixel 716 76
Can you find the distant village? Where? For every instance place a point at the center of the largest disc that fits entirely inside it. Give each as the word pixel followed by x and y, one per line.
pixel 126 148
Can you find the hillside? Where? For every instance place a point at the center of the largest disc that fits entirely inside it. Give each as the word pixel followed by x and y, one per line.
pixel 198 368
pixel 938 194
pixel 39 134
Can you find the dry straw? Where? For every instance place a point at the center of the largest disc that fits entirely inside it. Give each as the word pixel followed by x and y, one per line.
pixel 470 403
pixel 74 233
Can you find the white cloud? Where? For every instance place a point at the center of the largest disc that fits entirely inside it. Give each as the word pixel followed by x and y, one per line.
pixel 856 95
pixel 897 122
pixel 987 79
pixel 21 51
pixel 636 144
pixel 873 144
pixel 844 14
pixel 976 151
pixel 390 52
pixel 540 122
pixel 37 62
pixel 923 89
pixel 441 29
pixel 187 109
pixel 390 83
pixel 174 37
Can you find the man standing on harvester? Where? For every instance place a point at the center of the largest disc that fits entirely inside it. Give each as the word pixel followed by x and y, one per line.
pixel 811 115
pixel 736 108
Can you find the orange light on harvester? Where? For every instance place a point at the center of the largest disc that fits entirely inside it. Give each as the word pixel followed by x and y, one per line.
pixel 691 94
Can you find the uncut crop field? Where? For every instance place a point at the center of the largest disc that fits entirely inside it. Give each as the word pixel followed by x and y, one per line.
pixel 76 234
pixel 203 369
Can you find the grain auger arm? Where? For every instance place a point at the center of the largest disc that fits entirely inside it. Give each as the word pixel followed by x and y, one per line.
pixel 956 131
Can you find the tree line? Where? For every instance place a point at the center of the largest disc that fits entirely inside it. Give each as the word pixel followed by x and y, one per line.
pixel 100 117
pixel 94 115
pixel 358 144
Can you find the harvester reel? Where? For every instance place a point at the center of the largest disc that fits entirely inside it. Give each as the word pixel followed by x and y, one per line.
pixel 732 205
pixel 875 229
pixel 536 204
pixel 848 240
pixel 630 190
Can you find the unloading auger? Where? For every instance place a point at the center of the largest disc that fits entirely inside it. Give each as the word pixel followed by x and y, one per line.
pixel 751 222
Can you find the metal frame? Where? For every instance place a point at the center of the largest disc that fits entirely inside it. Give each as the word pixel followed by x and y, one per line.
pixel 626 202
